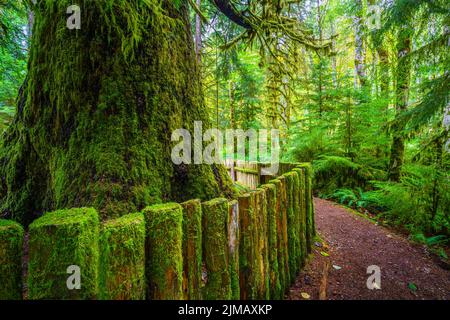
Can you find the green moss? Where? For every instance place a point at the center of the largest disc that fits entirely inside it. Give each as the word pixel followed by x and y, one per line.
pixel 56 241
pixel 122 258
pixel 246 246
pixel 97 109
pixel 262 244
pixel 11 249
pixel 303 210
pixel 276 292
pixel 164 260
pixel 192 249
pixel 233 245
pixel 215 250
pixel 283 245
pixel 310 214
pixel 291 226
pixel 244 170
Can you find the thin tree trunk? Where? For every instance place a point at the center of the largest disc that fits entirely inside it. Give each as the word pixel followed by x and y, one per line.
pixel 403 78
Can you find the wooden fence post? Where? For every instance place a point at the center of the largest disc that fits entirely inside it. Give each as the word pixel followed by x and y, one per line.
pixel 164 223
pixel 216 254
pixel 192 249
pixel 233 246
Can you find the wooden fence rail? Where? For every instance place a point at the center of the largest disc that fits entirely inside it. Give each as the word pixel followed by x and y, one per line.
pixel 249 248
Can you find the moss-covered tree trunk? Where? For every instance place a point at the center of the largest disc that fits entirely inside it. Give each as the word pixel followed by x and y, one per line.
pixel 403 78
pixel 96 112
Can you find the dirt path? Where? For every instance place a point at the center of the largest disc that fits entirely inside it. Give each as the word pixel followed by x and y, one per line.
pixel 354 243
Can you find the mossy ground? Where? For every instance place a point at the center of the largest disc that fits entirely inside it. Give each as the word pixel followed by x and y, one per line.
pixel 56 241
pixel 11 248
pixel 122 259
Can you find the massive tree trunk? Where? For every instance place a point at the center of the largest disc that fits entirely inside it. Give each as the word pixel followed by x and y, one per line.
pixel 96 112
pixel 360 50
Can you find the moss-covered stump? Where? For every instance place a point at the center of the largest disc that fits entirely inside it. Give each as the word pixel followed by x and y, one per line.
pixel 164 260
pixel 233 245
pixel 216 254
pixel 192 249
pixel 58 241
pixel 262 247
pixel 283 252
pixel 275 289
pixel 11 242
pixel 122 258
pixel 310 213
pixel 247 260
pixel 303 209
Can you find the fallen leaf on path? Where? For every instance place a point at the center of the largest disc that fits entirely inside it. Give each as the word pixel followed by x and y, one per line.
pixel 317 244
pixel 337 267
pixel 324 254
pixel 305 295
pixel 412 287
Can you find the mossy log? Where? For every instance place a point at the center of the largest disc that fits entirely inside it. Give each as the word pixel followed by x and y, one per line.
pixel 192 249
pixel 216 252
pixel 11 250
pixel 262 244
pixel 275 289
pixel 57 241
pixel 164 265
pixel 96 112
pixel 233 245
pixel 122 258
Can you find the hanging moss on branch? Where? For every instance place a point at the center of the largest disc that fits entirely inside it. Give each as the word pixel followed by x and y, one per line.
pixel 11 249
pixel 216 251
pixel 164 258
pixel 192 249
pixel 57 241
pixel 96 112
pixel 122 259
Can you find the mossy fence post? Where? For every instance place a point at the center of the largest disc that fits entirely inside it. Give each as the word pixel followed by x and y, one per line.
pixel 192 249
pixel 284 247
pixel 310 218
pixel 122 258
pixel 262 244
pixel 303 211
pixel 57 241
pixel 164 223
pixel 247 218
pixel 292 234
pixel 11 248
pixel 233 245
pixel 276 292
pixel 297 211
pixel 215 250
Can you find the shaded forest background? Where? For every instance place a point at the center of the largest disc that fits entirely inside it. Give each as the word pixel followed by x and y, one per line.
pixel 371 112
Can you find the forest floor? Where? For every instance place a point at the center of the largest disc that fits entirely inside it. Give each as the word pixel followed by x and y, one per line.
pixel 350 244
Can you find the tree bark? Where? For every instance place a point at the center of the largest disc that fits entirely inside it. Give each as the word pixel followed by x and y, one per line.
pixel 96 112
pixel 403 77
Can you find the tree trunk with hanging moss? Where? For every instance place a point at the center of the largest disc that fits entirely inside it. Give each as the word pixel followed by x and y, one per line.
pixel 96 112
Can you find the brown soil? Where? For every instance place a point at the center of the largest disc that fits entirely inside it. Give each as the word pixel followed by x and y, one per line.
pixel 353 243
